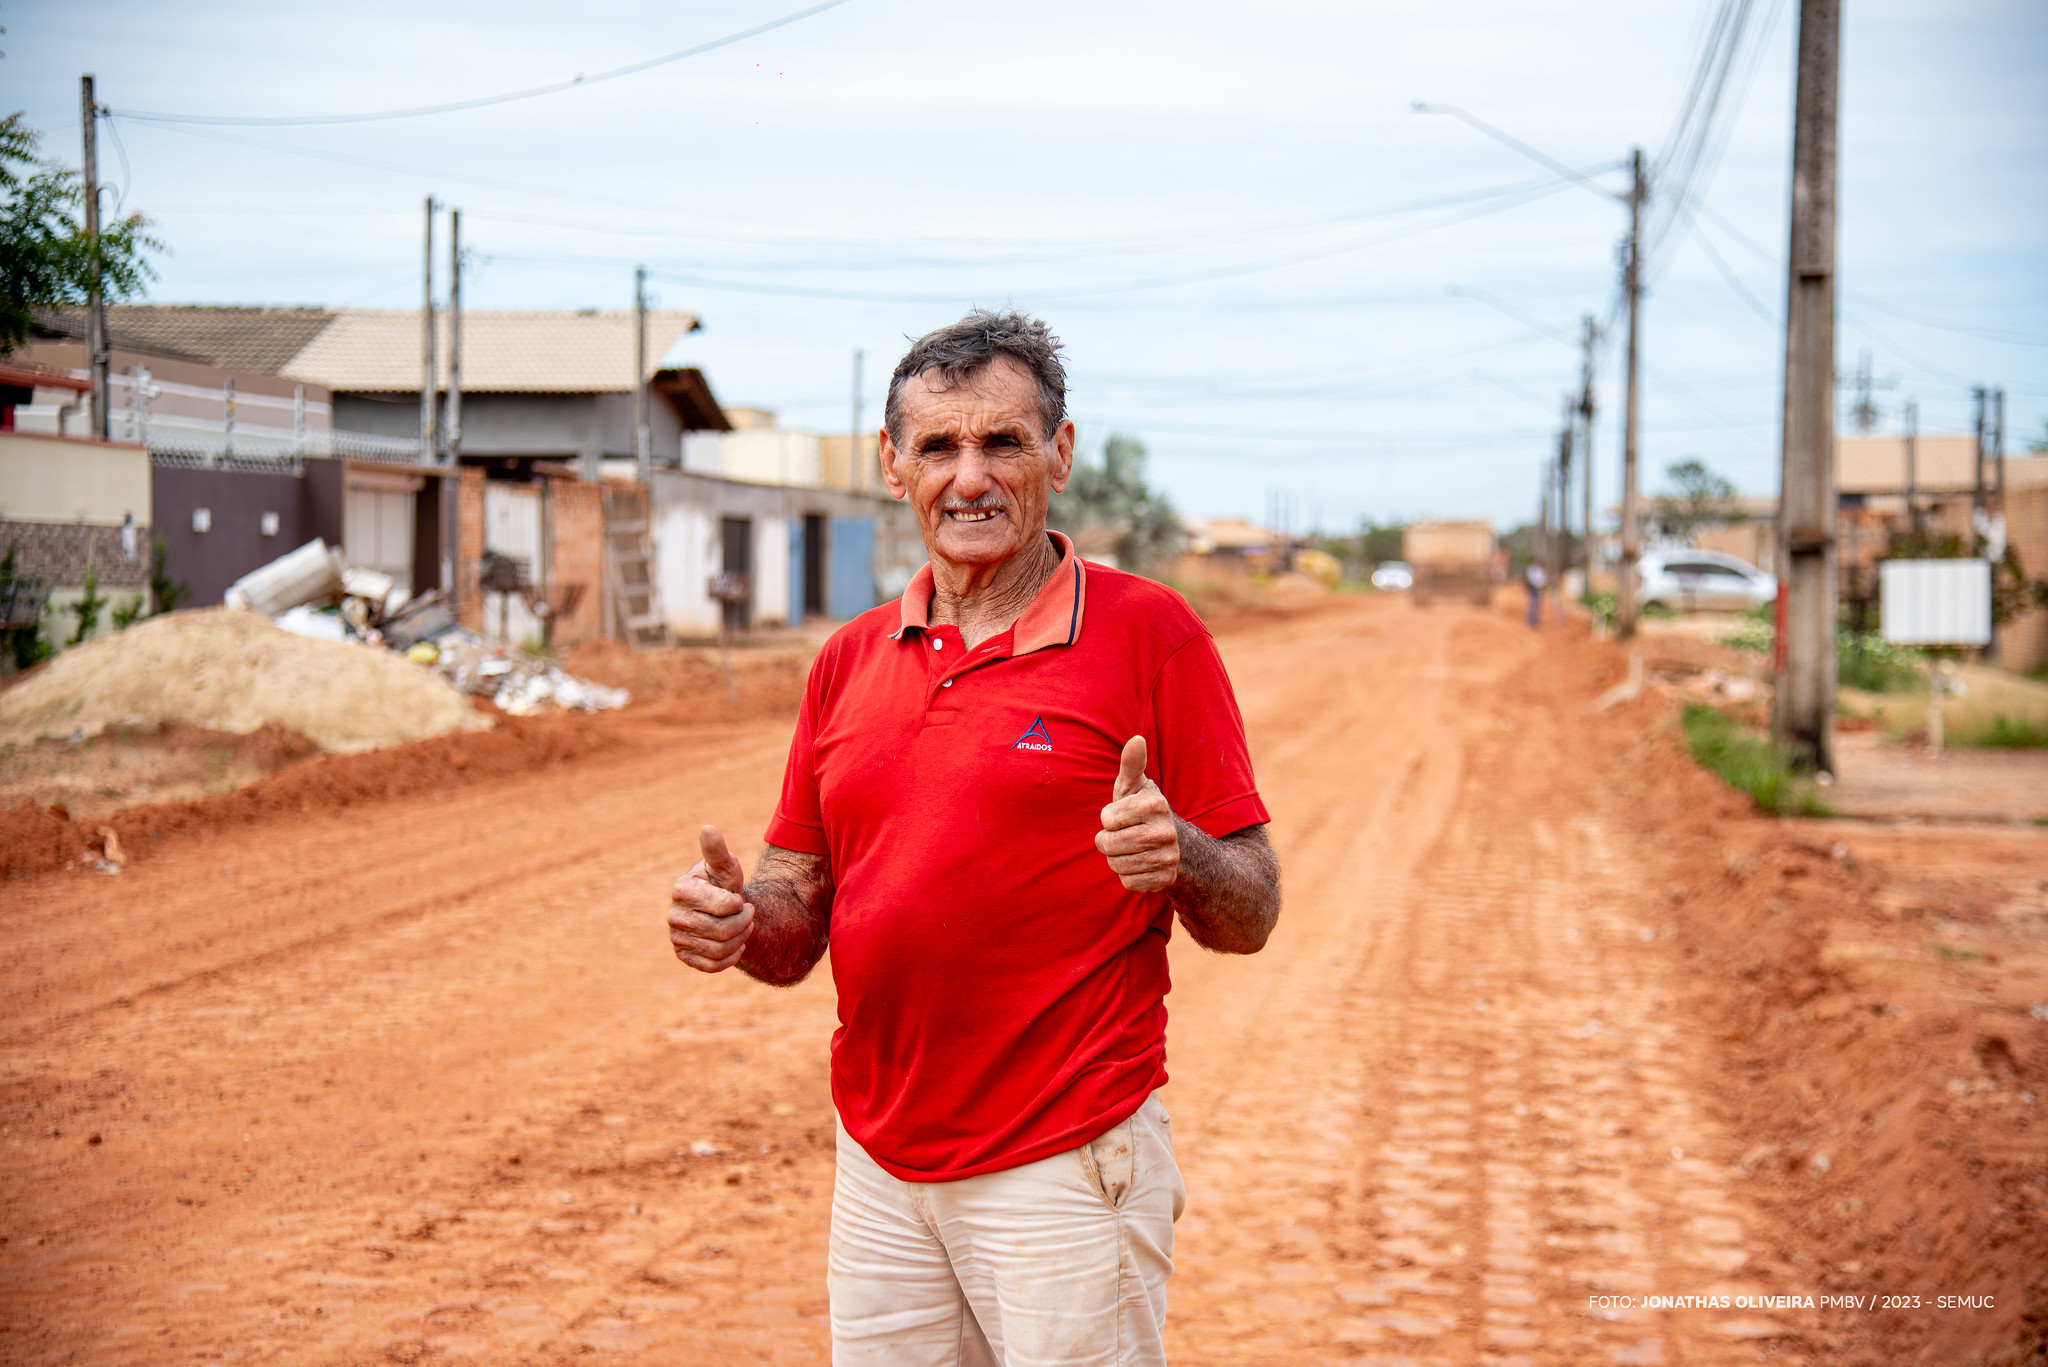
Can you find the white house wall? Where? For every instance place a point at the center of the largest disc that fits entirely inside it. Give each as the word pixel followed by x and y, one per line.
pixel 771 570
pixel 757 456
pixel 687 508
pixel 685 559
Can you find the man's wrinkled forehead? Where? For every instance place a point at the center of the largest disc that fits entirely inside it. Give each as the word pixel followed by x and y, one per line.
pixel 998 399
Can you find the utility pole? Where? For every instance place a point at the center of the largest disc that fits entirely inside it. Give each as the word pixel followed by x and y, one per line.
pixel 856 468
pixel 95 302
pixel 1631 523
pixel 452 438
pixel 1982 397
pixel 1592 335
pixel 428 370
pixel 1998 446
pixel 1803 705
pixel 1561 496
pixel 643 451
pixel 1912 466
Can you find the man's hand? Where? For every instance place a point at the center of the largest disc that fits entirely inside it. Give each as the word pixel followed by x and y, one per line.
pixel 709 917
pixel 1139 833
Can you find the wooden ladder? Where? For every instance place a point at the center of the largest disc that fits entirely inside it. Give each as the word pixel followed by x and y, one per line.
pixel 632 595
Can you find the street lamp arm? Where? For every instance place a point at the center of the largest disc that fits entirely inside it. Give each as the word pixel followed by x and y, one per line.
pixel 1509 140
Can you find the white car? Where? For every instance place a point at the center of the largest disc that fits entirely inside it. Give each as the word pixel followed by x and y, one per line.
pixel 1394 574
pixel 1687 580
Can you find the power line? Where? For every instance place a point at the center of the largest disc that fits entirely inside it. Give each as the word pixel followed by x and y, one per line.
pixel 533 92
pixel 1515 192
pixel 1699 238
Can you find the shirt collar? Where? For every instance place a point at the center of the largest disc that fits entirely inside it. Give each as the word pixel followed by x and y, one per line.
pixel 1052 619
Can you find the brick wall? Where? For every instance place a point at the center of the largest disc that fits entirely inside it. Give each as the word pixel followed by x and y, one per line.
pixel 469 546
pixel 576 557
pixel 2023 642
pixel 60 552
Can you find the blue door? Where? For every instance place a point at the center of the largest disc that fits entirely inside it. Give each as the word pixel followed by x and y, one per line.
pixel 853 566
pixel 796 570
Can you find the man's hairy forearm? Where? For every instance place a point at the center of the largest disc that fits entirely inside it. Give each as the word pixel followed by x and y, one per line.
pixel 1227 893
pixel 792 898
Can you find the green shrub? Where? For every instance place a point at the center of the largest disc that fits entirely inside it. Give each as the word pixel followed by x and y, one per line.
pixel 1755 634
pixel 1865 660
pixel 129 612
pixel 1748 762
pixel 2010 733
pixel 165 592
pixel 89 607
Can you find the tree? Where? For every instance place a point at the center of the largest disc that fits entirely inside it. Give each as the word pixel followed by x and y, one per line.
pixel 1703 496
pixel 1113 494
pixel 47 260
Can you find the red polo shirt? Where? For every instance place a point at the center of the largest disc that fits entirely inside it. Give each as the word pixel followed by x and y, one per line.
pixel 1001 995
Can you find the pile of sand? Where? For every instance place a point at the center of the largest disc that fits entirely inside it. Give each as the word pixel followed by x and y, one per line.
pixel 235 672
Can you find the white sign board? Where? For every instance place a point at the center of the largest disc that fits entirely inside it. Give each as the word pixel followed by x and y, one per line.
pixel 1936 602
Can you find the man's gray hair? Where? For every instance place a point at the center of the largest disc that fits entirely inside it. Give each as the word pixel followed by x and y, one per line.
pixel 967 347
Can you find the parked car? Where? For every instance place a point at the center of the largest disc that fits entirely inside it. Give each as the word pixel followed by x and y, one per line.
pixel 1687 580
pixel 1394 574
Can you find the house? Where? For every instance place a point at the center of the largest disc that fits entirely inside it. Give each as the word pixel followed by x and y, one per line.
pixel 267 394
pixel 545 418
pixel 245 464
pixel 757 449
pixel 811 534
pixel 543 484
pixel 70 504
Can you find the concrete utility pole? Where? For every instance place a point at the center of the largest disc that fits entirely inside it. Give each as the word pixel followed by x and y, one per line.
pixel 1631 521
pixel 1561 558
pixel 428 370
pixel 1912 466
pixel 856 468
pixel 95 302
pixel 1998 445
pixel 452 439
pixel 1592 336
pixel 1803 706
pixel 643 450
pixel 1979 396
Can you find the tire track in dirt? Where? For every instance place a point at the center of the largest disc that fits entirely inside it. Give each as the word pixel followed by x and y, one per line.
pixel 1475 1113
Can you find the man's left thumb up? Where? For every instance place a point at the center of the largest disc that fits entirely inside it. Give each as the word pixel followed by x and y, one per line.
pixel 1131 774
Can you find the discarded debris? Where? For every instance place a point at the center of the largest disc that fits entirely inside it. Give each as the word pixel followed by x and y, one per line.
pixel 310 593
pixel 516 683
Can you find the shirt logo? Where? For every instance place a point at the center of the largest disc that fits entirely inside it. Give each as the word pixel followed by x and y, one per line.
pixel 1035 737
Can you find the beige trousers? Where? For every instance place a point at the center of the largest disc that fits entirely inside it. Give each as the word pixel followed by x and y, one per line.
pixel 1058 1263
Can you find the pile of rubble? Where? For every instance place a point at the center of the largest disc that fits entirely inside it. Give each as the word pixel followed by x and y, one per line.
pixel 311 593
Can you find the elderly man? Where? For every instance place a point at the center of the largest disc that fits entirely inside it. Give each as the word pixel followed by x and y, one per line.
pixel 1002 791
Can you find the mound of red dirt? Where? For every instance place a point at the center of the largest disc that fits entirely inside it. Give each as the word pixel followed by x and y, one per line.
pixel 39 839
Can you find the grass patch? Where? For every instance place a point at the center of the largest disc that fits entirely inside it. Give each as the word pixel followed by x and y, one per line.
pixel 2009 733
pixel 1748 762
pixel 1956 956
pixel 1865 660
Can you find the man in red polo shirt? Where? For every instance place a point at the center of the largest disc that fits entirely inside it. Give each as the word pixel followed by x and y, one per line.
pixel 1002 792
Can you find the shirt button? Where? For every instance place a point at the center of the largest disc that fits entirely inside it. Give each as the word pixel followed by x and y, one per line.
pixel 947 684
pixel 938 643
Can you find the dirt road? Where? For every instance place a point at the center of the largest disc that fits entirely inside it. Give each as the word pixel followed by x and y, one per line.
pixel 419 1080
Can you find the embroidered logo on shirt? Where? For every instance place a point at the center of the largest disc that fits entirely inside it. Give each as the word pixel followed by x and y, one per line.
pixel 1035 737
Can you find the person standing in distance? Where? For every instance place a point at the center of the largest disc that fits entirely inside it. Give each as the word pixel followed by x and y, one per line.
pixel 1003 791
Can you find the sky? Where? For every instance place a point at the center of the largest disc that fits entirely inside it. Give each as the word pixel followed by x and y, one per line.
pixel 1295 289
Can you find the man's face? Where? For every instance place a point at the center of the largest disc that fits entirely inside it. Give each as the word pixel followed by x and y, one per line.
pixel 975 464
